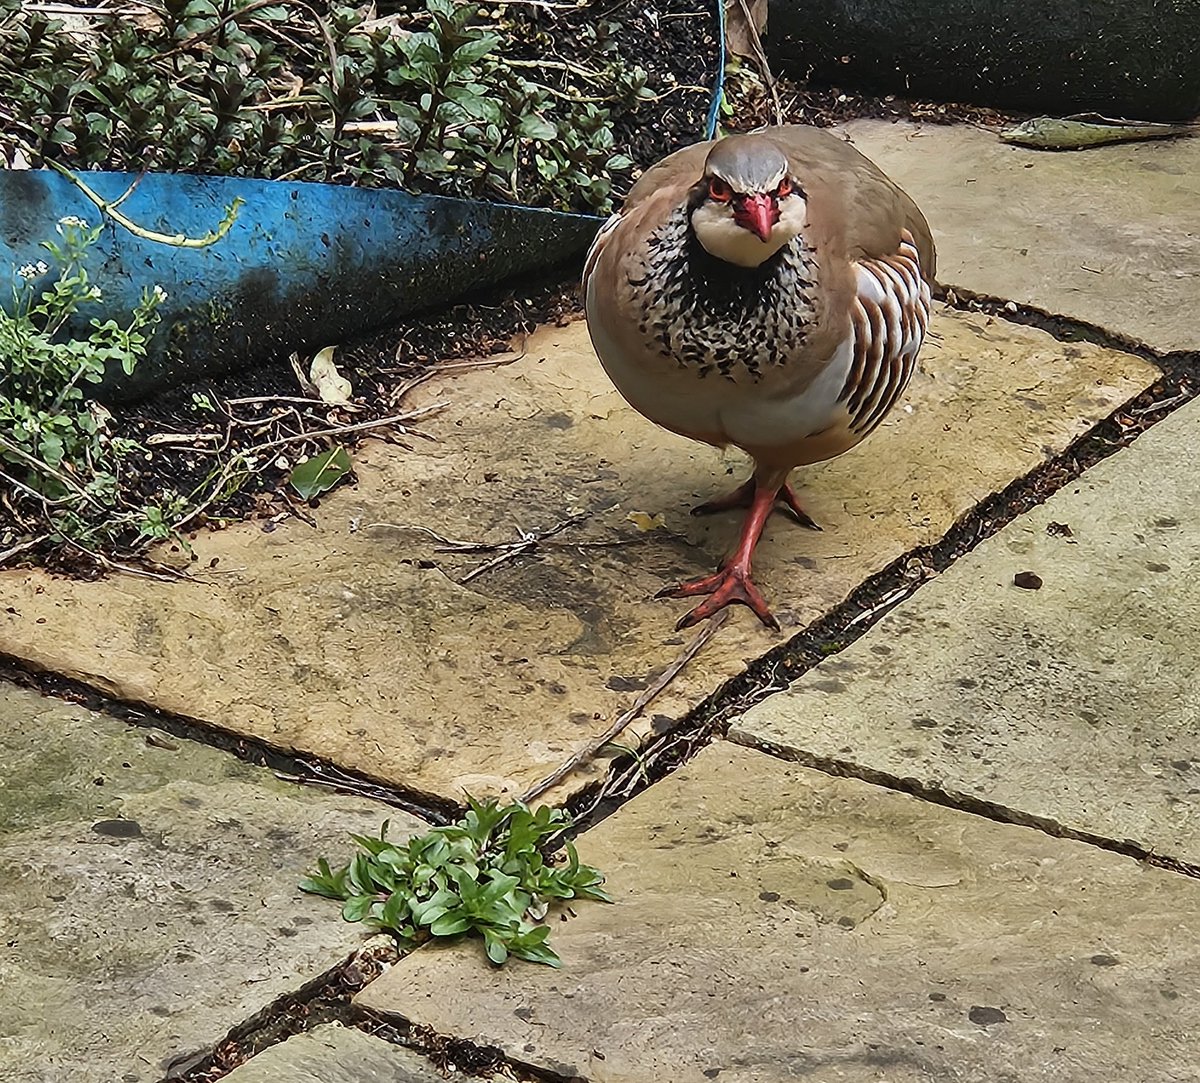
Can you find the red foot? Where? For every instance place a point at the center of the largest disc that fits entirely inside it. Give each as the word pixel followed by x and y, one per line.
pixel 743 496
pixel 731 585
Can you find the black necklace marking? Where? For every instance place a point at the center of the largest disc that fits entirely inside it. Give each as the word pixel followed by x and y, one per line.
pixel 711 316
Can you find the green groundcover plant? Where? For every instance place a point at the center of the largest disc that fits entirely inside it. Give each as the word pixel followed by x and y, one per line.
pixel 487 875
pixel 56 452
pixel 423 97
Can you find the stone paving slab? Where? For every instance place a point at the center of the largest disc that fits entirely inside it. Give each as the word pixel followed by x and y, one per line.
pixel 1110 235
pixel 1077 702
pixel 148 898
pixel 362 643
pixel 335 1054
pixel 774 923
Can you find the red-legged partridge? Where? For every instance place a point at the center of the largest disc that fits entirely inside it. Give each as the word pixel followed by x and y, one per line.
pixel 769 291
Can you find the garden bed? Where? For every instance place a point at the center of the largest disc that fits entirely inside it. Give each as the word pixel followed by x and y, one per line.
pixel 543 104
pixel 199 457
pixel 546 105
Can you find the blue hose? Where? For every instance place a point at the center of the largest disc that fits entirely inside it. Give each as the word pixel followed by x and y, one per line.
pixel 714 107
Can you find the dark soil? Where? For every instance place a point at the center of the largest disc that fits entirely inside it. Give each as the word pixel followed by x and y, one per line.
pixel 824 106
pixel 381 370
pixel 673 40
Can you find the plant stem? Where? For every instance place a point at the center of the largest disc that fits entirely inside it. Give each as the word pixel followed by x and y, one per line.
pixel 61 396
pixel 45 468
pixel 178 240
pixel 557 65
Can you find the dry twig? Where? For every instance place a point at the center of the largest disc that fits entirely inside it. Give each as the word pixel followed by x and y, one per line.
pixel 760 58
pixel 527 542
pixel 644 699
pixel 17 550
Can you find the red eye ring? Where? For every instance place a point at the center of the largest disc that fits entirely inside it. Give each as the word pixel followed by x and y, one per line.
pixel 784 189
pixel 718 190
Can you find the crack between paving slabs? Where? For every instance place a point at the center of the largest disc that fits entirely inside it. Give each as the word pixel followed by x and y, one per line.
pixel 1062 328
pixel 460 1053
pixel 284 764
pixel 773 672
pixel 328 998
pixel 323 999
pixel 965 802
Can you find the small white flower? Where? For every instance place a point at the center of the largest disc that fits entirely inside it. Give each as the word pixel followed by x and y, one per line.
pixel 160 294
pixel 73 220
pixel 27 272
pixel 94 293
pixel 41 267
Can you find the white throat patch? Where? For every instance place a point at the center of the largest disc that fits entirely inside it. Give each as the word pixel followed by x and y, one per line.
pixel 722 237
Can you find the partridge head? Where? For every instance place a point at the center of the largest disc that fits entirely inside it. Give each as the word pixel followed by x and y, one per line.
pixel 749 206
pixel 768 291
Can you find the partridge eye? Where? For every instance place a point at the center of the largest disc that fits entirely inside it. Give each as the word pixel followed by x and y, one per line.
pixel 719 190
pixel 784 189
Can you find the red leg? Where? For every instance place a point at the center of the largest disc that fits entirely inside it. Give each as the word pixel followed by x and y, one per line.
pixel 743 496
pixel 731 584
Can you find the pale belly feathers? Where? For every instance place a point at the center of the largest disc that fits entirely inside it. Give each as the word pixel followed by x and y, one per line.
pixel 810 425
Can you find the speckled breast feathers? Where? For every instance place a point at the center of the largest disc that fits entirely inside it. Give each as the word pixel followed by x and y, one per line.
pixel 827 328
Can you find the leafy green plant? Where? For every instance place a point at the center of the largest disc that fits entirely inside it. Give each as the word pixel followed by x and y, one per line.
pixel 426 97
pixel 66 475
pixel 486 875
pixel 54 444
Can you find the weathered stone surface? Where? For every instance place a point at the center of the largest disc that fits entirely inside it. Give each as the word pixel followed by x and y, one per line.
pixel 773 923
pixel 360 641
pixel 1076 701
pixel 1110 235
pixel 335 1054
pixel 149 898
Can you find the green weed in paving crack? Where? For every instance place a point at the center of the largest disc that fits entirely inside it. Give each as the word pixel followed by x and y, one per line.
pixel 485 875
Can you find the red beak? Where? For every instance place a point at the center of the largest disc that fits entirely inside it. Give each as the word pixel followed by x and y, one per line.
pixel 758 214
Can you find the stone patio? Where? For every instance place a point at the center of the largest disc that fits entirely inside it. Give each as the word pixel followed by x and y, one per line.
pixel 149 897
pixel 1109 235
pixel 773 921
pixel 979 687
pixel 359 641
